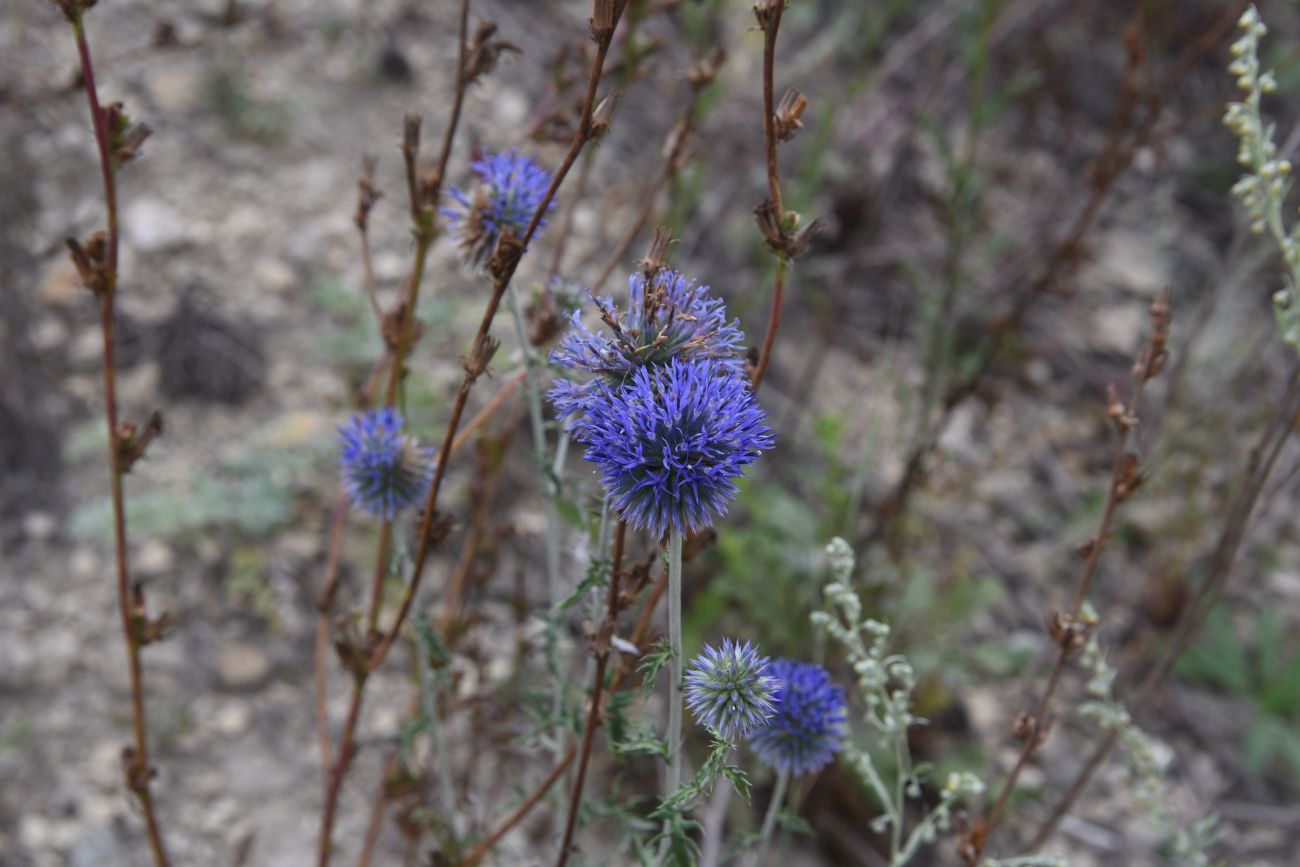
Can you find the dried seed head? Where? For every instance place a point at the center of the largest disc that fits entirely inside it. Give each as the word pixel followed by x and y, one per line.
pixel 702 73
pixel 787 116
pixel 603 114
pixel 656 256
pixel 483 52
pixel 367 193
pixel 768 12
pixel 481 356
pixel 602 19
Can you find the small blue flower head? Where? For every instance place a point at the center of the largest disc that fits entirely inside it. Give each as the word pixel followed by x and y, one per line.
pixel 808 727
pixel 508 192
pixel 731 691
pixel 384 471
pixel 671 442
pixel 668 316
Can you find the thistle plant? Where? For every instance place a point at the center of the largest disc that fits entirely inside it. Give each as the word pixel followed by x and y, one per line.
pixel 1262 190
pixel 385 471
pixel 510 188
pixel 670 444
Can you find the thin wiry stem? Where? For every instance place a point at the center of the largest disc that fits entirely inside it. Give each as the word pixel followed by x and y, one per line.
pixel 138 769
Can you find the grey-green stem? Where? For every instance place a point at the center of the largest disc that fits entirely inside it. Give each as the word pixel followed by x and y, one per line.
pixel 769 820
pixel 675 679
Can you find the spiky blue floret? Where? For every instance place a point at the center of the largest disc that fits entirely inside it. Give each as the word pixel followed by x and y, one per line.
pixel 671 317
pixel 671 442
pixel 384 471
pixel 808 727
pixel 731 691
pixel 509 190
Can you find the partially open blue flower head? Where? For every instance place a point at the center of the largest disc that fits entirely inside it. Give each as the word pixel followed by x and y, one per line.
pixel 510 187
pixel 808 727
pixel 384 471
pixel 731 691
pixel 668 316
pixel 671 442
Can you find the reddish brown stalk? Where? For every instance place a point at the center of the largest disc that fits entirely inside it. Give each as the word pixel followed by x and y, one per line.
pixel 323 608
pixel 136 758
pixel 376 656
pixel 423 196
pixel 476 855
pixel 500 283
pixel 601 646
pixel 770 27
pixel 326 603
pixel 1263 459
pixel 377 810
pixel 1069 631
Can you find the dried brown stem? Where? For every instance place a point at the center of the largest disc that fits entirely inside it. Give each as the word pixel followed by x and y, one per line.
pixel 1069 631
pixel 521 811
pixel 602 649
pixel 1263 459
pixel 136 758
pixel 500 283
pixel 423 200
pixel 770 27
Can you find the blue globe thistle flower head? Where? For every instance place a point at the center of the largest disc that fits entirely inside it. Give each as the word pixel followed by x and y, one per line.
pixel 668 316
pixel 384 471
pixel 509 190
pixel 731 690
pixel 808 727
pixel 671 442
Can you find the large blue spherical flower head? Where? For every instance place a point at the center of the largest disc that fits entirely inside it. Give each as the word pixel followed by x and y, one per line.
pixel 671 442
pixel 509 190
pixel 668 316
pixel 808 727
pixel 731 691
pixel 384 471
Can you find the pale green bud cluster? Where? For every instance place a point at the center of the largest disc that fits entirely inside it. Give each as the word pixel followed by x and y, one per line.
pixel 1262 190
pixel 1146 768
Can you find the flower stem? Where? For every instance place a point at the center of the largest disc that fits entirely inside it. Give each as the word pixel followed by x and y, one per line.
pixel 769 821
pixel 675 680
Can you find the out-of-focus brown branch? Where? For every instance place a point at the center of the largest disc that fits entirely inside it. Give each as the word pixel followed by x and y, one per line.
pixel 1218 570
pixel 1128 136
pixel 505 260
pixel 1070 631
